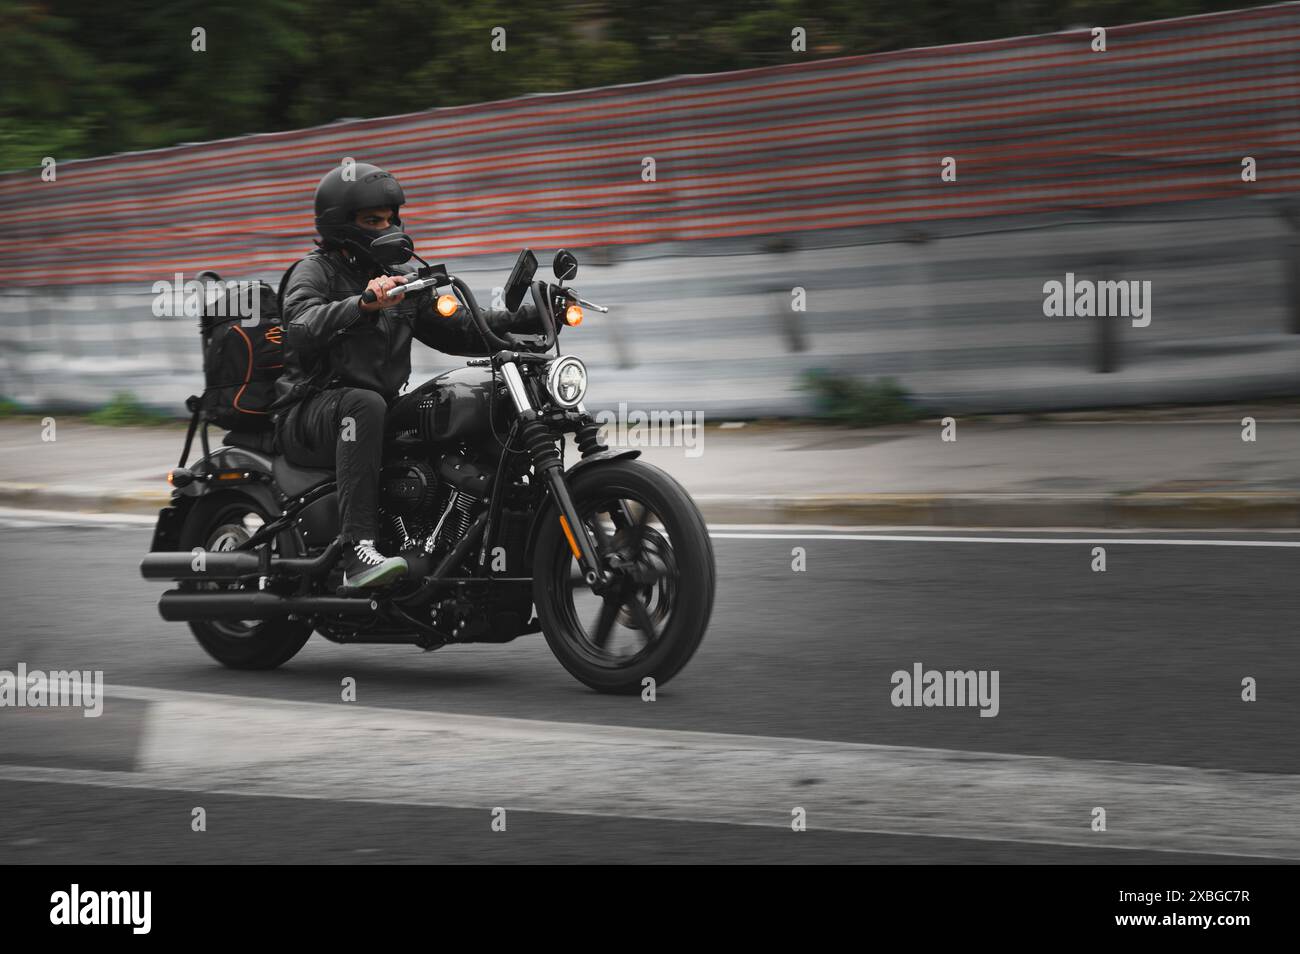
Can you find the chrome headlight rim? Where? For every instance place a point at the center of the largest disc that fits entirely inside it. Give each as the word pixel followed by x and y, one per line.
pixel 553 380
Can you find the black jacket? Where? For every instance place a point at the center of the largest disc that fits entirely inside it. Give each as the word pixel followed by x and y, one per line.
pixel 330 342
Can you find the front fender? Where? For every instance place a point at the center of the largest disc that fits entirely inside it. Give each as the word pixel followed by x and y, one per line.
pixel 608 453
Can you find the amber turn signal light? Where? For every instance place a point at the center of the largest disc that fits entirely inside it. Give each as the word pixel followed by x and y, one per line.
pixel 573 315
pixel 447 305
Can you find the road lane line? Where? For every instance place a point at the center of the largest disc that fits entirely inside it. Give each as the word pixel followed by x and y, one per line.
pixel 918 528
pixel 24 518
pixel 909 538
pixel 265 747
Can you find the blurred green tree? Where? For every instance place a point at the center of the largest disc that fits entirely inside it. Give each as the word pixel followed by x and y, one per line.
pixel 96 78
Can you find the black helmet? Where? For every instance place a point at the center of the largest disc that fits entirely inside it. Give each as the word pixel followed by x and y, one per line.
pixel 339 198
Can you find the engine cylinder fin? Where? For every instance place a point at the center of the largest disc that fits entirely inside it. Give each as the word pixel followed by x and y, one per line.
pixel 462 515
pixel 399 532
pixel 430 543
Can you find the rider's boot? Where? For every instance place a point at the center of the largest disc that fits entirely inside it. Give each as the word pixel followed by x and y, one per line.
pixel 363 565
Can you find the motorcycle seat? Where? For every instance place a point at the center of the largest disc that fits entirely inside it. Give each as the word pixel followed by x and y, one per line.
pixel 261 441
pixel 294 480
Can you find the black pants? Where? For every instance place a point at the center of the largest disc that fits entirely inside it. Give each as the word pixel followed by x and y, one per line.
pixel 342 428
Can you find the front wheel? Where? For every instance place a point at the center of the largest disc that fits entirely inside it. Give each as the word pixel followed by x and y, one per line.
pixel 651 619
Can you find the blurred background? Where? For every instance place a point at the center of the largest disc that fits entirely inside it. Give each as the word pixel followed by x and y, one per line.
pixel 774 170
pixel 782 177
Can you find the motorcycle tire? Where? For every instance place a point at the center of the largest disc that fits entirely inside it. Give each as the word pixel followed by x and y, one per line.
pixel 217 523
pixel 676 606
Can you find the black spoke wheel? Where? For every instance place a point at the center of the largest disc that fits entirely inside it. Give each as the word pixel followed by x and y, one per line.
pixel 621 624
pixel 649 618
pixel 223 523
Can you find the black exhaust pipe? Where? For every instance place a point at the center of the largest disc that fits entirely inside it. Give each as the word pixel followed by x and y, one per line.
pixel 180 605
pixel 230 564
pixel 218 565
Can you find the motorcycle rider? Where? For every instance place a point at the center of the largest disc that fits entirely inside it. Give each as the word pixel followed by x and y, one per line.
pixel 345 360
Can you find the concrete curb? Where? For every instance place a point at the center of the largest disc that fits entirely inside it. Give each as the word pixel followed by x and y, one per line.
pixel 82 499
pixel 1182 511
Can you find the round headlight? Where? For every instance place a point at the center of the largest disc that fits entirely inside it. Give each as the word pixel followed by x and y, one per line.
pixel 567 381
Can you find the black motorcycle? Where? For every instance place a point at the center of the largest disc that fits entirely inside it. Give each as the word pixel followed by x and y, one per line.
pixel 609 558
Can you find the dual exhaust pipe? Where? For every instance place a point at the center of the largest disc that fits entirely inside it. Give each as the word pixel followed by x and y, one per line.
pixel 227 566
pixel 182 605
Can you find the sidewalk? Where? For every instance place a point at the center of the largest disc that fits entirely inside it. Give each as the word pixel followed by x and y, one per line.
pixel 1127 470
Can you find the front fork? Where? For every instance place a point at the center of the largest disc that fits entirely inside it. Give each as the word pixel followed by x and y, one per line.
pixel 549 465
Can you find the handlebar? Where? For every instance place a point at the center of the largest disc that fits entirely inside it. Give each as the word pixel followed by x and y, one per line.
pixel 510 342
pixel 542 300
pixel 420 284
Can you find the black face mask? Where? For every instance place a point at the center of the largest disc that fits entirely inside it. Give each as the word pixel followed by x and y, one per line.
pixel 362 242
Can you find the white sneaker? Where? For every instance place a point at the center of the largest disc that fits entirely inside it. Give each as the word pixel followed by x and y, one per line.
pixel 366 566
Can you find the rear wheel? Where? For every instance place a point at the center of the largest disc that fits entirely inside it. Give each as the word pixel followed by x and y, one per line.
pixel 651 619
pixel 223 523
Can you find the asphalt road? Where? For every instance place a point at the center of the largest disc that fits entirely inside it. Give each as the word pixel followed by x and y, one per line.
pixel 1140 664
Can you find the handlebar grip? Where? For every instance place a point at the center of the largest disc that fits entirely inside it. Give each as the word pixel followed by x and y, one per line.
pixel 369 297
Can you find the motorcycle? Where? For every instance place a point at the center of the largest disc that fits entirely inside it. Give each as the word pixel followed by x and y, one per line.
pixel 609 557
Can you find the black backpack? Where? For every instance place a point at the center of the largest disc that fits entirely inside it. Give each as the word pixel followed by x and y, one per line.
pixel 241 360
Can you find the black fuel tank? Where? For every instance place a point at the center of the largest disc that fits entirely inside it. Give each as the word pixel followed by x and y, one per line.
pixel 456 405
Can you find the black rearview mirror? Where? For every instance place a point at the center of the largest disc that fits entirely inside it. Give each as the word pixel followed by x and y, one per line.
pixel 395 249
pixel 565 265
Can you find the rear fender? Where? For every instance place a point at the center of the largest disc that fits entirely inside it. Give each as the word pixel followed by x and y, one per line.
pixel 257 485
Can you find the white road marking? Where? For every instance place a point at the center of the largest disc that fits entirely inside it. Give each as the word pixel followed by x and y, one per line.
pixel 910 538
pixel 25 518
pixel 264 747
pixel 838 528
pixel 1215 421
